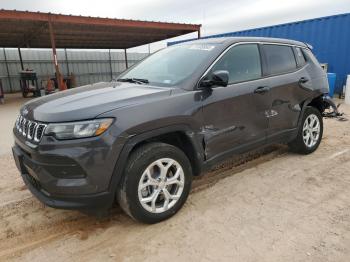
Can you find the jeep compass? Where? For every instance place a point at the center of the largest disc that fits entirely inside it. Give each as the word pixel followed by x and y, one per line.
pixel 139 140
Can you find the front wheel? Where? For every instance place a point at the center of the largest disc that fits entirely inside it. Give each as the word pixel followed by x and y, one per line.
pixel 156 182
pixel 310 132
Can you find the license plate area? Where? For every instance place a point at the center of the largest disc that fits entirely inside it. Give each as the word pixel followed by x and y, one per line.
pixel 26 169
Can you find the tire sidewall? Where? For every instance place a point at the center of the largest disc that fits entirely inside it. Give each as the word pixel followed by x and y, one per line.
pixel 133 175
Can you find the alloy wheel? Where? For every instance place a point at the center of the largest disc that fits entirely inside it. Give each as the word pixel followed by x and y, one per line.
pixel 311 130
pixel 161 185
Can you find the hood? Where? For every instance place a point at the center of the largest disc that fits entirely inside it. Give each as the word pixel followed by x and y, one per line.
pixel 89 101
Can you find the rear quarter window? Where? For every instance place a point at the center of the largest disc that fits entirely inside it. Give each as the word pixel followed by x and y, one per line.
pixel 301 61
pixel 279 58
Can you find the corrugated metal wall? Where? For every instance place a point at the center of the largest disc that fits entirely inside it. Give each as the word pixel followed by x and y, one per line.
pixel 88 66
pixel 329 36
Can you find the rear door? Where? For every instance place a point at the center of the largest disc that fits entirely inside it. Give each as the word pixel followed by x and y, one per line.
pixel 288 86
pixel 234 116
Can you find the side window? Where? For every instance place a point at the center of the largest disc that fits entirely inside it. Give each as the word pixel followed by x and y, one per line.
pixel 280 58
pixel 242 62
pixel 300 57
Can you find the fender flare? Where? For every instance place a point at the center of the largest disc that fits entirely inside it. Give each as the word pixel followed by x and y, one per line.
pixel 133 140
pixel 303 108
pixel 324 99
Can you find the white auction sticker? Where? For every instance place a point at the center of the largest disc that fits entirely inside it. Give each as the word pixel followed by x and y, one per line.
pixel 204 47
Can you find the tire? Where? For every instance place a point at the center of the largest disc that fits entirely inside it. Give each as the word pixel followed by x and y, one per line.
pixel 143 180
pixel 302 144
pixel 24 94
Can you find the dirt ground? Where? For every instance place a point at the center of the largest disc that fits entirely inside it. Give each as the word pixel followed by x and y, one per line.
pixel 271 206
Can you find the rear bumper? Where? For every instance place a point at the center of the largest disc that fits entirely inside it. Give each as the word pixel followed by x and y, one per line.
pixel 39 182
pixel 328 102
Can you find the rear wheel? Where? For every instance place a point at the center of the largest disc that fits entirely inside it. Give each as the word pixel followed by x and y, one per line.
pixel 310 132
pixel 156 182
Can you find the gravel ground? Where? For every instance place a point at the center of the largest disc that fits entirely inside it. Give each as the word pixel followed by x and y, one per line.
pixel 269 205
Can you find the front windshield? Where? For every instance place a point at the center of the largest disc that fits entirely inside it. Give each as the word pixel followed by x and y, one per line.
pixel 170 66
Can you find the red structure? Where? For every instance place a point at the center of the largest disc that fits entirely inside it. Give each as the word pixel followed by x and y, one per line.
pixel 46 30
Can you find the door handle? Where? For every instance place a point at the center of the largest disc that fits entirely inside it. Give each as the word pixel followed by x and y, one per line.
pixel 262 90
pixel 303 80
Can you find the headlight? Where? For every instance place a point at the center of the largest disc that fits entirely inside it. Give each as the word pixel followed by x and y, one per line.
pixel 79 129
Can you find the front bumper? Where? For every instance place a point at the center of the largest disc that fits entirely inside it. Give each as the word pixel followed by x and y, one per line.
pixel 74 174
pixel 102 200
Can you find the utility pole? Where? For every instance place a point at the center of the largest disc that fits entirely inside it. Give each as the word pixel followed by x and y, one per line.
pixel 53 45
pixel 7 69
pixel 126 59
pixel 110 63
pixel 20 58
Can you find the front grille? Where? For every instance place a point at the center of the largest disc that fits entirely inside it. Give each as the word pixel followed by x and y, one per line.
pixel 31 130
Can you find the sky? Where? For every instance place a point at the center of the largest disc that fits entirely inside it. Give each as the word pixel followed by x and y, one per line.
pixel 216 17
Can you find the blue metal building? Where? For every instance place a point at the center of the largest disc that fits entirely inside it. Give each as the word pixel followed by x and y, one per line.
pixel 329 36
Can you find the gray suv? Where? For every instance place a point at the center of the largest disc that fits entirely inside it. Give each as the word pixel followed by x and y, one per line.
pixel 140 139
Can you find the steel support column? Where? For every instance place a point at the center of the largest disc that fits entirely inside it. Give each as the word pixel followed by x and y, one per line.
pixel 67 64
pixel 8 71
pixel 126 59
pixel 20 58
pixel 199 33
pixel 53 45
pixel 110 63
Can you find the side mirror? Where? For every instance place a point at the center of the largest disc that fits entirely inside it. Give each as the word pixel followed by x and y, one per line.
pixel 217 78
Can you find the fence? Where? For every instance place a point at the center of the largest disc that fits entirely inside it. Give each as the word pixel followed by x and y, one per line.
pixel 88 66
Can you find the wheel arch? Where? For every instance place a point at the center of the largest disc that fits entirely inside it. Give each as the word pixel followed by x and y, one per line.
pixel 316 102
pixel 180 136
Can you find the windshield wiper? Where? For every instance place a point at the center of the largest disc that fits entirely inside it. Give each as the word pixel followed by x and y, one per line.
pixel 134 80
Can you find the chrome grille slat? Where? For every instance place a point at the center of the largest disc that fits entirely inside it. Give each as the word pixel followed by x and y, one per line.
pixel 39 132
pixel 17 121
pixel 20 124
pixel 31 130
pixel 24 123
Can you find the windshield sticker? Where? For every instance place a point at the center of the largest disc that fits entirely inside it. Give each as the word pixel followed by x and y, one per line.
pixel 166 81
pixel 204 47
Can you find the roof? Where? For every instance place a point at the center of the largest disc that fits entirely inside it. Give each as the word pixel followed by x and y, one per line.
pixel 231 40
pixel 30 29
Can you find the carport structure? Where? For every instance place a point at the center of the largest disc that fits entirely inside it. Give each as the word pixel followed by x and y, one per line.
pixel 46 30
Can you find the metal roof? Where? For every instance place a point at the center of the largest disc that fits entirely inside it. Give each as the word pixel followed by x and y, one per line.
pixel 30 29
